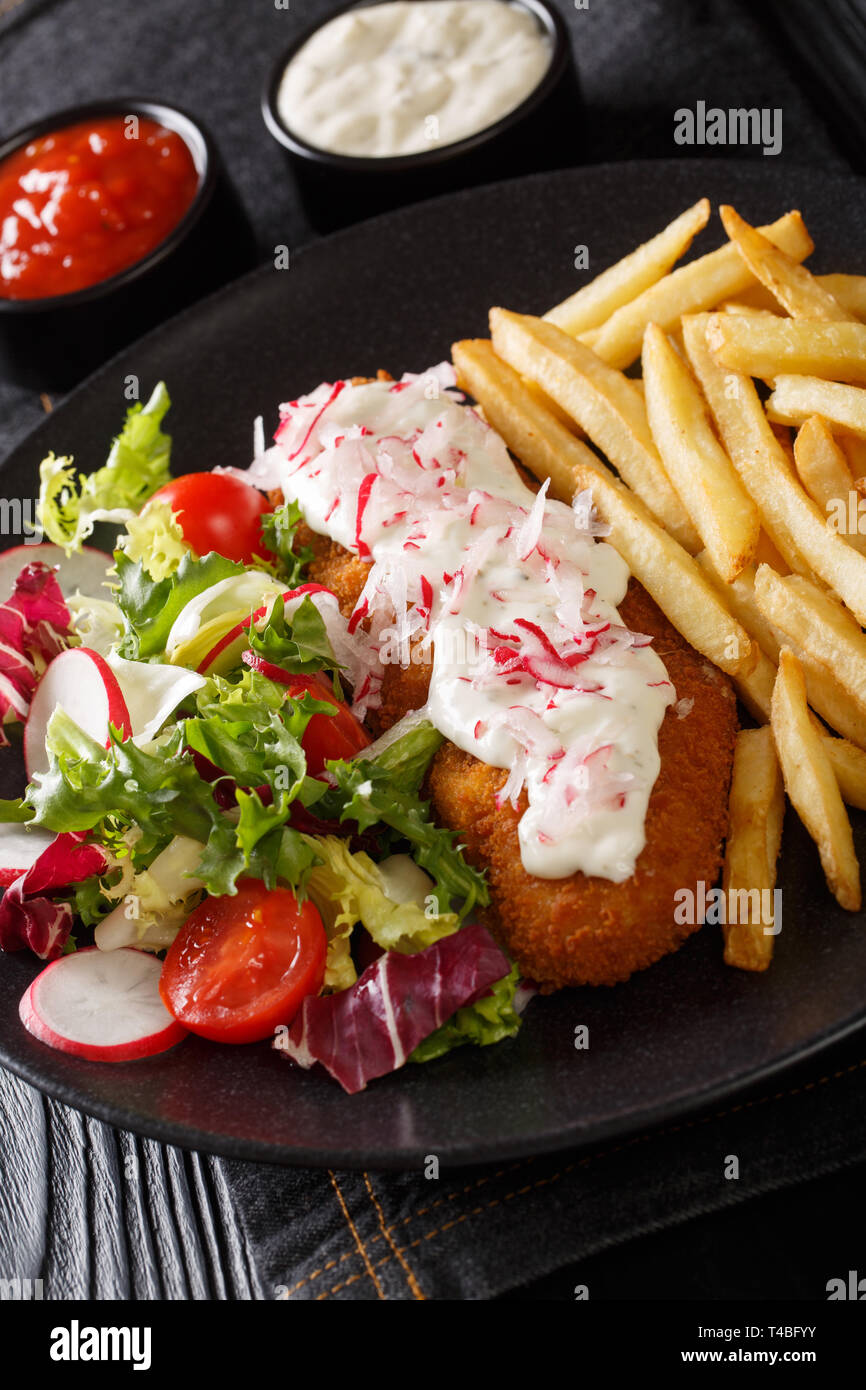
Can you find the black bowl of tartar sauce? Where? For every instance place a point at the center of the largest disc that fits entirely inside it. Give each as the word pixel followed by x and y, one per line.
pixel 383 104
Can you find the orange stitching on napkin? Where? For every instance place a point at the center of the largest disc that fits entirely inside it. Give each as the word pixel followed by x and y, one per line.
pixel 459 1192
pixel 337 1287
pixel 331 1264
pixel 604 1153
pixel 353 1228
pixel 422 1211
pixel 386 1231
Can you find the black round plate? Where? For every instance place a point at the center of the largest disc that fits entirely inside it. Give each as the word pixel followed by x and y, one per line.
pixel 394 293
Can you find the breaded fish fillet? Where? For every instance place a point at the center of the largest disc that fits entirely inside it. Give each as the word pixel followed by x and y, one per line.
pixel 580 930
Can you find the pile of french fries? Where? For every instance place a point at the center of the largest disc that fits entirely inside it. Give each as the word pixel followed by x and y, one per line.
pixel 729 474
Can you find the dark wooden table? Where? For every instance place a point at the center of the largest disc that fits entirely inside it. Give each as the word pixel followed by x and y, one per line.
pixel 98 1213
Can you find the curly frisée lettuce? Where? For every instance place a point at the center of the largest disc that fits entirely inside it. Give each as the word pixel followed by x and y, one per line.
pixel 251 728
pixel 160 794
pixel 279 535
pixel 369 793
pixel 349 888
pixel 70 504
pixel 152 902
pixel 155 538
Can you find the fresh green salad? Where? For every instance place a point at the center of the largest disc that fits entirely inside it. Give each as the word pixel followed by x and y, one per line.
pixel 212 839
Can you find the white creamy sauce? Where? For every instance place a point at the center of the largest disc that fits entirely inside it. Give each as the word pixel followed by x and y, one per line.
pixel 410 75
pixel 511 594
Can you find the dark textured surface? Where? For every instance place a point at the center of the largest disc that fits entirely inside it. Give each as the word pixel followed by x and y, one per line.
pixel 828 44
pixel 162 1224
pixel 686 1029
pixel 639 60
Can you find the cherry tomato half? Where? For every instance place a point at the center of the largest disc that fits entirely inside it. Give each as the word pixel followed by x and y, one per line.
pixel 218 512
pixel 242 965
pixel 338 735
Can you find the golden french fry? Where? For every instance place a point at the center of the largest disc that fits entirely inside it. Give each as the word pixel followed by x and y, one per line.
pixel 667 572
pixel 721 509
pixel 786 441
pixel 755 687
pixel 601 401
pixel 736 308
pixel 550 405
pixel 818 625
pixel 740 598
pixel 824 473
pixel 849 764
pixel 755 815
pixel 826 695
pixel 622 282
pixel 847 290
pixel 796 397
pixel 792 284
pixel 790 517
pixel 854 449
pixel 761 345
pixel 811 783
pixel 690 289
pixel 755 296
pixel 767 554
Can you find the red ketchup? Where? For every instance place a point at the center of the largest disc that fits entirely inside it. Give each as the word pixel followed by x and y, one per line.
pixel 81 204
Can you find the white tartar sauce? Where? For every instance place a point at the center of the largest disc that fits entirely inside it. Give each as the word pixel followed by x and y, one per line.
pixel 410 75
pixel 508 595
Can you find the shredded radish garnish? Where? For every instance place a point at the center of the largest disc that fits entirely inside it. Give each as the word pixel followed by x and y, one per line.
pixel 530 532
pixel 510 596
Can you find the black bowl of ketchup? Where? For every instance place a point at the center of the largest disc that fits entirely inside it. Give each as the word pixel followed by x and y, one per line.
pixel 113 216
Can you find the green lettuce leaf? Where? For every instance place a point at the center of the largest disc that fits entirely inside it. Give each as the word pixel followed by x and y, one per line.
pixel 278 534
pixel 70 504
pixel 487 1021
pixel 150 606
pixel 89 901
pixel 160 792
pixel 251 728
pixel 407 757
pixel 368 793
pixel 161 795
pixel 349 888
pixel 299 643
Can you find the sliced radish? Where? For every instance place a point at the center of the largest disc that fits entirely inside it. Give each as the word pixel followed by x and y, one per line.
pixel 83 684
pixel 227 652
pixel 103 1005
pixel 267 668
pixel 84 570
pixel 152 690
pixel 20 847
